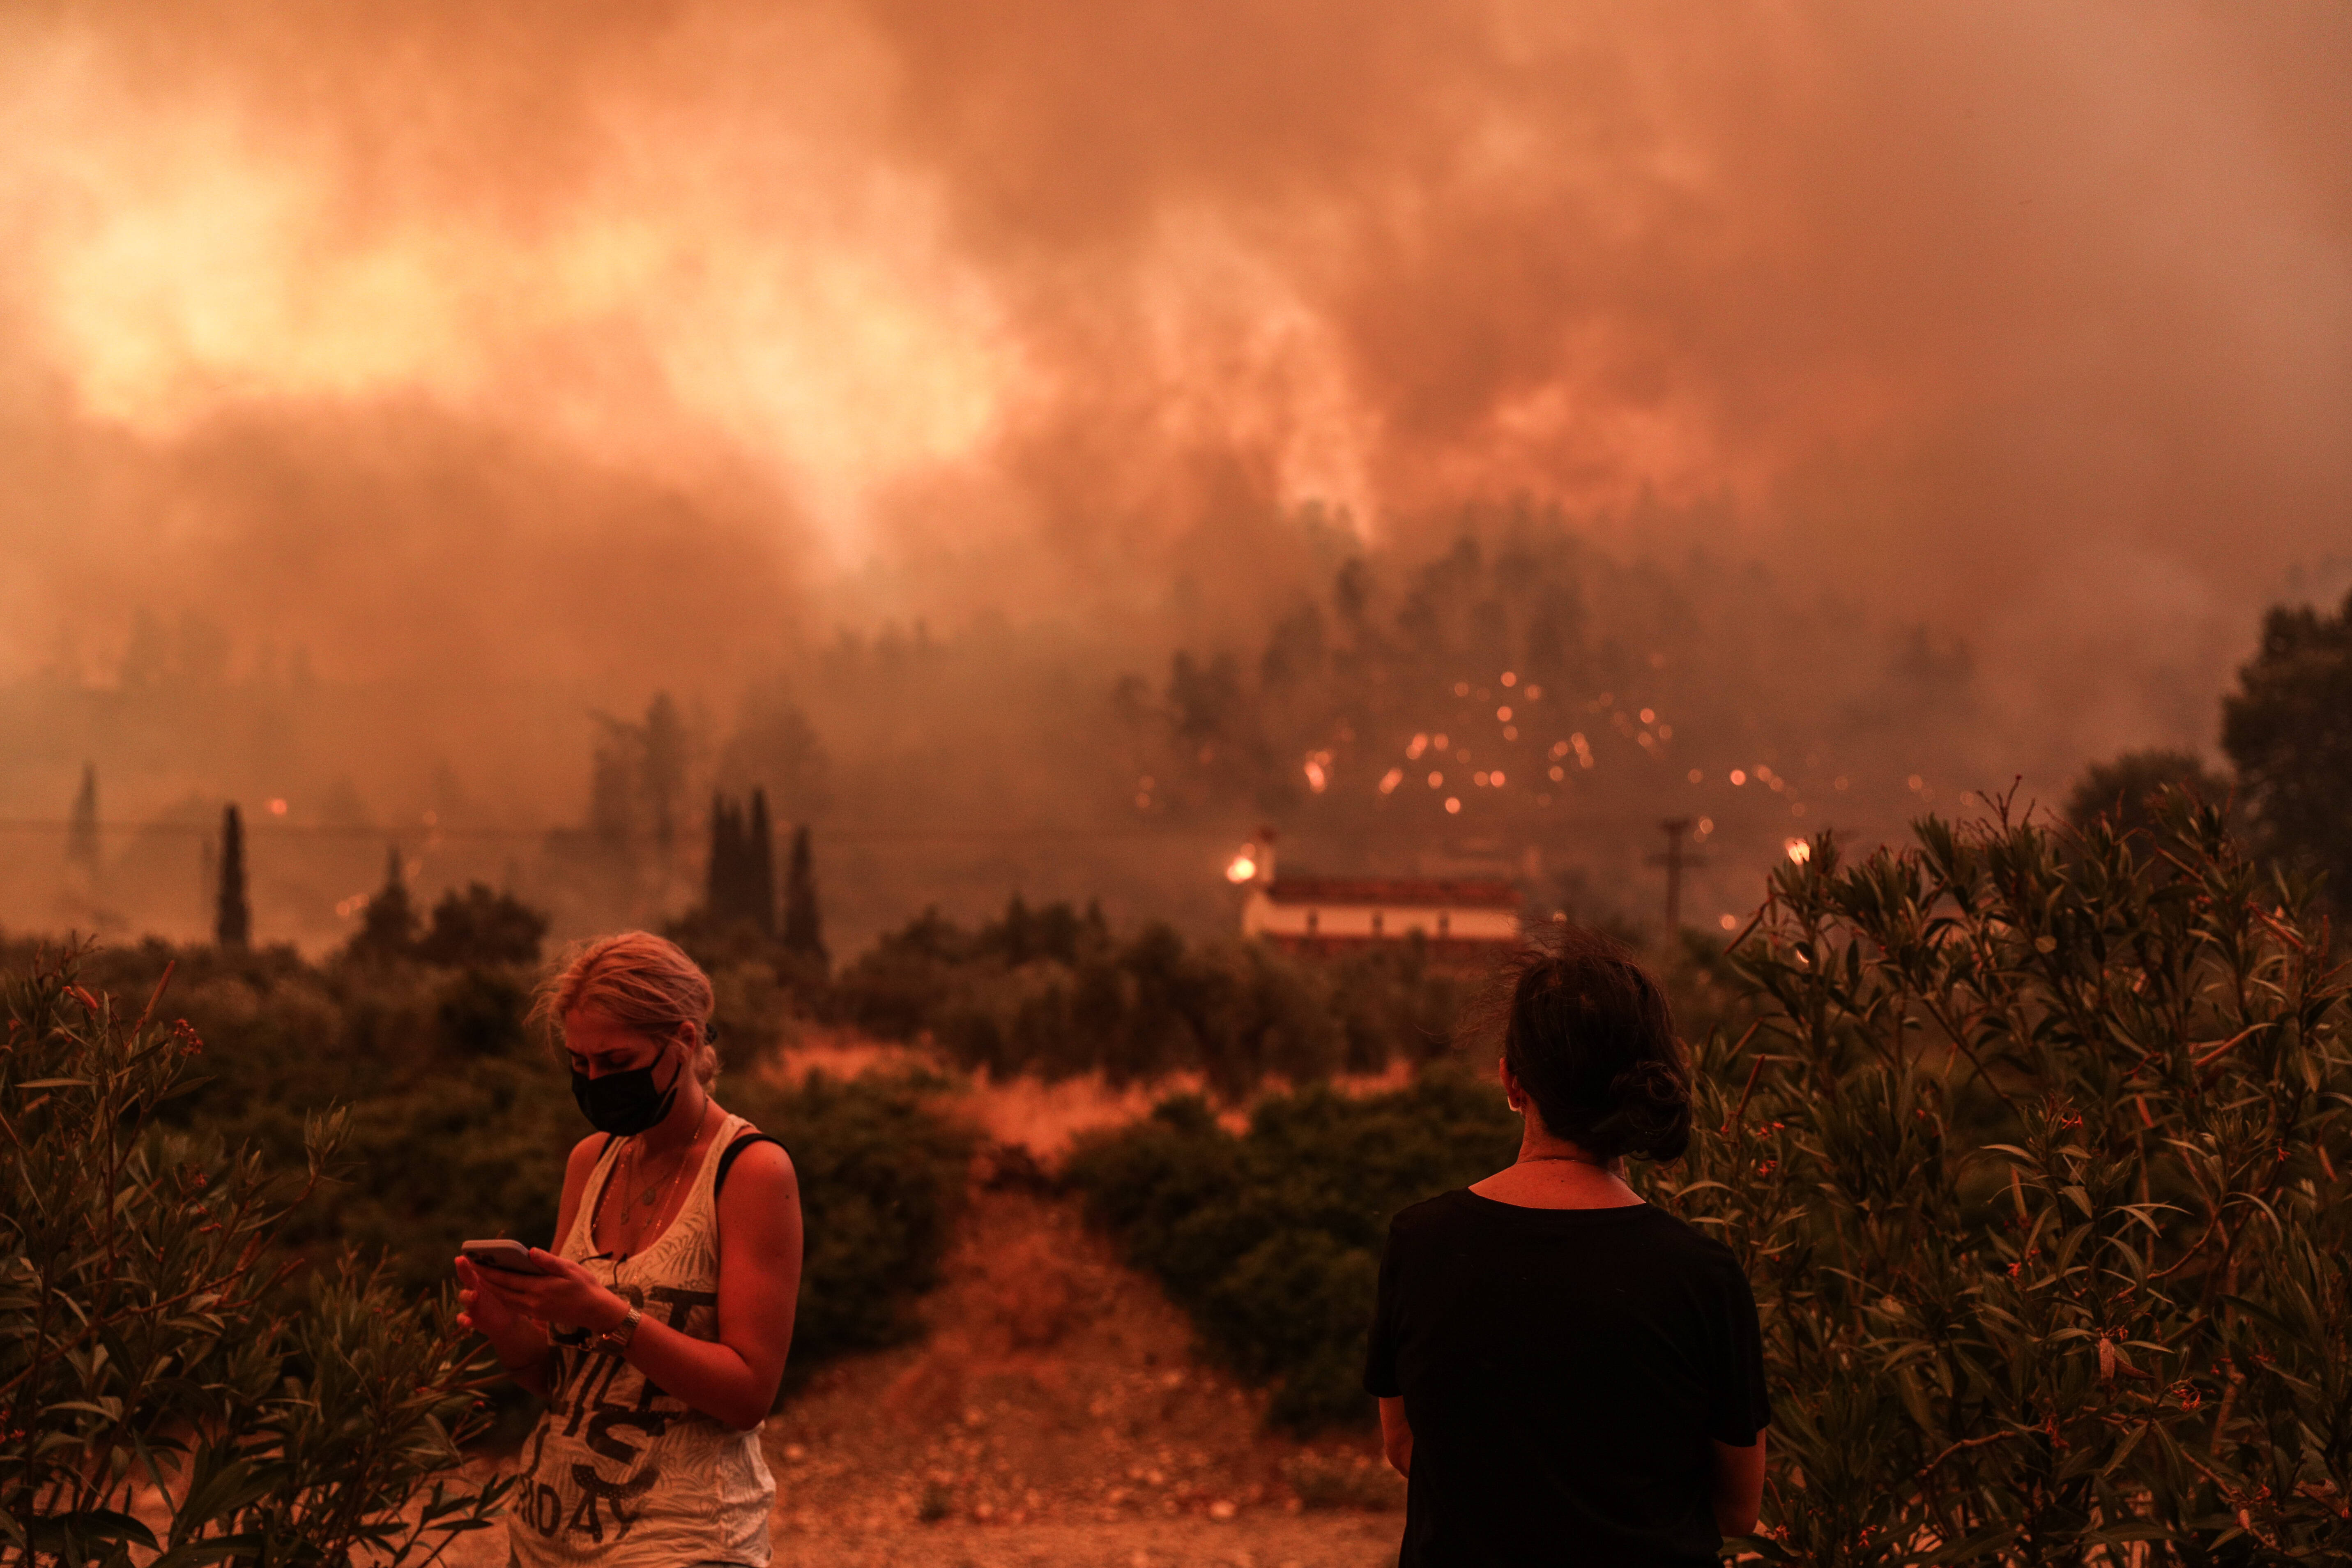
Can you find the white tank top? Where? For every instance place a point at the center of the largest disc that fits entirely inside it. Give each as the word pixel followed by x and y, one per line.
pixel 620 1474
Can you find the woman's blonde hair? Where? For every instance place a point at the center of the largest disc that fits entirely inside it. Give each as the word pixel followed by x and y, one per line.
pixel 640 981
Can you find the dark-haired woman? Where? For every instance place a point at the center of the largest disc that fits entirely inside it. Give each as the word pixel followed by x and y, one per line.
pixel 1565 1373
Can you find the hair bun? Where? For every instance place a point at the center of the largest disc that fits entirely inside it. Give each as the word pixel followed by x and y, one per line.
pixel 1649 1113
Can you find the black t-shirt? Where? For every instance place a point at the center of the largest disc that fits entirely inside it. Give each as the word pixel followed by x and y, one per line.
pixel 1563 1371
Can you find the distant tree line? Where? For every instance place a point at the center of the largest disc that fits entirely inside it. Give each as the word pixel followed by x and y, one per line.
pixel 1053 992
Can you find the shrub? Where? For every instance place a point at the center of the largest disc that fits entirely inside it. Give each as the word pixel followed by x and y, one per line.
pixel 1270 1240
pixel 455 1123
pixel 2029 1155
pixel 147 1335
pixel 882 1177
pixel 482 926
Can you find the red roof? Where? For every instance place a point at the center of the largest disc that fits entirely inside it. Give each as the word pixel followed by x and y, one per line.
pixel 1433 892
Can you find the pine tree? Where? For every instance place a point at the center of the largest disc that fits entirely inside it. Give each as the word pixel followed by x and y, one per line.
pixel 804 926
pixel 388 930
pixel 760 868
pixel 233 916
pixel 81 839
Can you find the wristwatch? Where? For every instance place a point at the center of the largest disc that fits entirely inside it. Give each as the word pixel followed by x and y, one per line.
pixel 617 1340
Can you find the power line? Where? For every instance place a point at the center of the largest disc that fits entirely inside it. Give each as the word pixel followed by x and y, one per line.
pixel 851 833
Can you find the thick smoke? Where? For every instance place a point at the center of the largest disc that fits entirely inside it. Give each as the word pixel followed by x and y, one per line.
pixel 512 361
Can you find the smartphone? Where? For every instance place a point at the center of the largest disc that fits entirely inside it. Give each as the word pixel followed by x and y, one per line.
pixel 511 1257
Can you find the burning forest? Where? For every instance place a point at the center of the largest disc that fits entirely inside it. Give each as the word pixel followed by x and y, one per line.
pixel 1093 599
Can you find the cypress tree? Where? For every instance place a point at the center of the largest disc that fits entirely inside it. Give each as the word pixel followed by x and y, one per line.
pixel 81 839
pixel 728 896
pixel 804 926
pixel 760 868
pixel 233 916
pixel 664 769
pixel 714 872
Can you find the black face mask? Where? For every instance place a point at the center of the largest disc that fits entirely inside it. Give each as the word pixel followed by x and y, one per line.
pixel 624 1103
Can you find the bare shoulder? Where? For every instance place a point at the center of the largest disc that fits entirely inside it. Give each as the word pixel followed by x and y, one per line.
pixel 582 1158
pixel 762 1172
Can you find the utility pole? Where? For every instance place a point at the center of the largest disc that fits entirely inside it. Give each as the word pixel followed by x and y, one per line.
pixel 1674 860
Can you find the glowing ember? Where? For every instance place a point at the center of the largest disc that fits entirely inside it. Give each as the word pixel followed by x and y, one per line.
pixel 1451 805
pixel 1244 866
pixel 1390 779
pixel 1503 715
pixel 1436 781
pixel 1729 922
pixel 1738 776
pixel 1414 749
pixel 1495 778
pixel 1696 775
pixel 277 808
pixel 1797 850
pixel 1510 677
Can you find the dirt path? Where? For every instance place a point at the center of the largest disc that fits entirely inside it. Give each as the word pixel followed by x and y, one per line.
pixel 1054 1416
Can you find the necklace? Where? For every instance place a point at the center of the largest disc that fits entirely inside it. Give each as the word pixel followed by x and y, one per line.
pixel 665 1190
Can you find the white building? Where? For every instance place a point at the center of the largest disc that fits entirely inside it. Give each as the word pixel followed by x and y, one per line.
pixel 1467 918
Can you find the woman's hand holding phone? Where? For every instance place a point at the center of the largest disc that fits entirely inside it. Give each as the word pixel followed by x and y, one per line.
pixel 560 1292
pixel 482 1308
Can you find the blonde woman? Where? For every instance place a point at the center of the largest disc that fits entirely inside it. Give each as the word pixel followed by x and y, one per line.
pixel 657 1329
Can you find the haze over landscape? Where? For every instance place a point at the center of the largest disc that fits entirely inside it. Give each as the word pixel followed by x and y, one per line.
pixel 1876 395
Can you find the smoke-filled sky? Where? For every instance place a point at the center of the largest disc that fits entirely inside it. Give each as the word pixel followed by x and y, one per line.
pixel 633 342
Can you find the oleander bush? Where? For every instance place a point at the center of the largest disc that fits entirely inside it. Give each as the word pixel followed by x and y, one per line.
pixel 2033 1153
pixel 168 1381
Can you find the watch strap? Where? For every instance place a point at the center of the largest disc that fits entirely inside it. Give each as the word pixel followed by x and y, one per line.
pixel 617 1340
